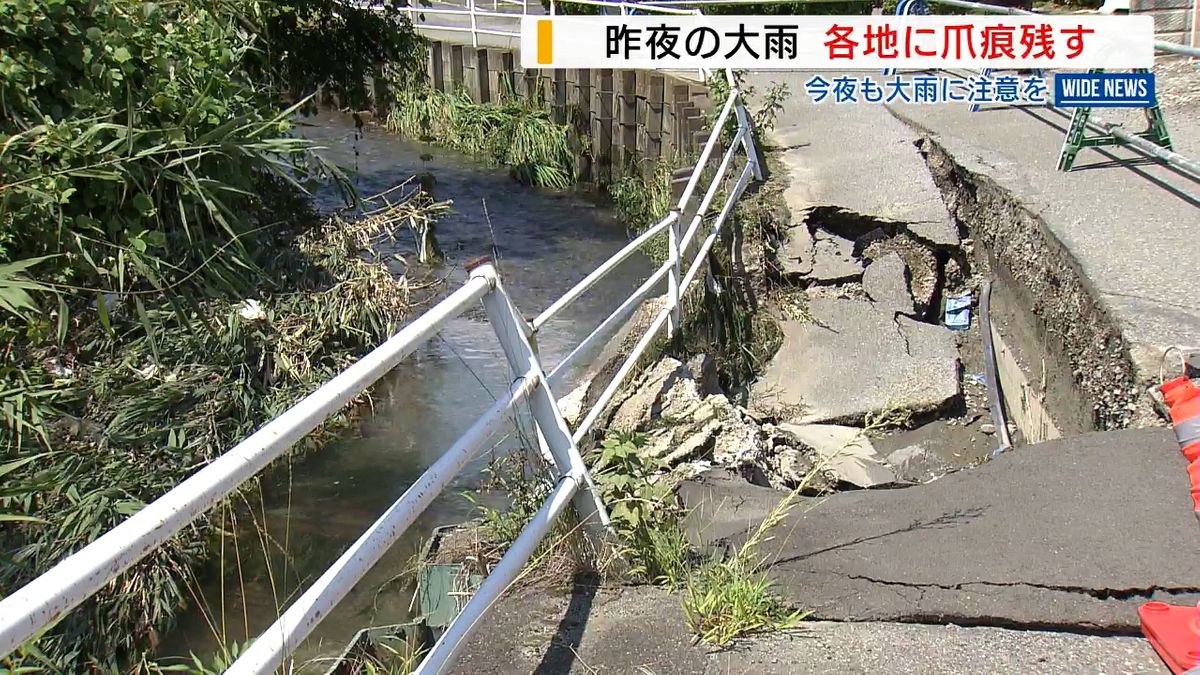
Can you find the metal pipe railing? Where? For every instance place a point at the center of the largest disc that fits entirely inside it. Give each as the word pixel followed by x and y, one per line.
pixel 708 148
pixel 48 597
pixel 1181 163
pixel 610 322
pixel 271 648
pixel 713 187
pixel 603 270
pixel 514 333
pixel 734 195
pixel 450 645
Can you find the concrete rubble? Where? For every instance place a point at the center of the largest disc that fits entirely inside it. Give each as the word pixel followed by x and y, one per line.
pixel 846 451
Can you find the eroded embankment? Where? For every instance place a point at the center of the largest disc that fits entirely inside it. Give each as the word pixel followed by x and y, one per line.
pixel 1072 324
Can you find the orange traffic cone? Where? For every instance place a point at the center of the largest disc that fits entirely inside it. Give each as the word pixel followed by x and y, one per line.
pixel 1172 631
pixel 1194 477
pixel 1184 399
pixel 1177 389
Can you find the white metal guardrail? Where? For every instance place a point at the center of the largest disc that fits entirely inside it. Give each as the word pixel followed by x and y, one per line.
pixel 43 601
pixel 470 14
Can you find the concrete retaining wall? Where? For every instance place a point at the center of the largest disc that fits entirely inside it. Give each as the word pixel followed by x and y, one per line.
pixel 628 117
pixel 1173 19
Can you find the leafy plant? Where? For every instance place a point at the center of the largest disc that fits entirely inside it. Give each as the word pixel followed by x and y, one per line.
pixel 151 194
pixel 516 133
pixel 643 509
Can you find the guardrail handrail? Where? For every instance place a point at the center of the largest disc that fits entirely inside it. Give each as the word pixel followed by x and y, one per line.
pixel 44 600
pixel 1180 163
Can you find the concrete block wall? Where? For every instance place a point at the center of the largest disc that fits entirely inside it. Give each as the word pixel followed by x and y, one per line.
pixel 1173 19
pixel 630 118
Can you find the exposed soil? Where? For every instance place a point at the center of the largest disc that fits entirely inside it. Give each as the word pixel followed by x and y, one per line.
pixel 1071 326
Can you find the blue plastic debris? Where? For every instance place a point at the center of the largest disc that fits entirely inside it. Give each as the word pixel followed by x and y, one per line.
pixel 958 312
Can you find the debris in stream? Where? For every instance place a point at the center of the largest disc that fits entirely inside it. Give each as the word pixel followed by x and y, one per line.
pixel 958 312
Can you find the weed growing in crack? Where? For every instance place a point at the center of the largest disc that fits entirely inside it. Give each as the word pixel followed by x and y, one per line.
pixel 729 598
pixel 643 511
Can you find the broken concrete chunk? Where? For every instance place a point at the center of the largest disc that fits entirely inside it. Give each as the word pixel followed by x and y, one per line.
pixel 916 464
pixel 851 361
pixel 659 443
pixel 848 453
pixel 643 404
pixel 680 402
pixel 694 446
pixel 738 444
pixel 886 282
pixel 788 468
pixel 834 260
pixel 795 254
pixel 920 261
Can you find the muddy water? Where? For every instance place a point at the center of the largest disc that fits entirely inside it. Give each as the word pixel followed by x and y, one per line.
pixel 546 241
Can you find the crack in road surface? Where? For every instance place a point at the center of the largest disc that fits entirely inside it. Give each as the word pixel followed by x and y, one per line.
pixel 1099 593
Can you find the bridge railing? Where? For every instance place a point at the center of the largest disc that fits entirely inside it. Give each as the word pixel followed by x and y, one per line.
pixel 29 610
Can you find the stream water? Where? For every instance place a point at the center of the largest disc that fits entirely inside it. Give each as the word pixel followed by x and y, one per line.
pixel 546 242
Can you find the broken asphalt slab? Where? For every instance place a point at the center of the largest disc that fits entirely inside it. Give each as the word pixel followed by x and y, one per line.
pixel 1073 533
pixel 852 360
pixel 857 158
pixel 1127 223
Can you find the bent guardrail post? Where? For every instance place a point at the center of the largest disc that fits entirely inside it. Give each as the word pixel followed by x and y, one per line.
pixel 513 332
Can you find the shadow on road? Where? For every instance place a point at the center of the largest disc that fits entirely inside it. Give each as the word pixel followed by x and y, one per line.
pixel 564 644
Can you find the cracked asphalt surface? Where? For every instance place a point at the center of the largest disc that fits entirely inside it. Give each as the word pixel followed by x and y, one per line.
pixel 1074 533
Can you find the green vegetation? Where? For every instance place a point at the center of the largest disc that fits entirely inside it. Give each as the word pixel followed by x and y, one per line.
pixel 643 511
pixel 165 287
pixel 515 133
pixel 642 199
pixel 723 597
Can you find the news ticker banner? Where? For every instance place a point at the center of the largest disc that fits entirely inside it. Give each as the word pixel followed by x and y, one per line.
pixel 838 42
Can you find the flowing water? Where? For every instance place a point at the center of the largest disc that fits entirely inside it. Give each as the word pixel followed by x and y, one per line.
pixel 546 242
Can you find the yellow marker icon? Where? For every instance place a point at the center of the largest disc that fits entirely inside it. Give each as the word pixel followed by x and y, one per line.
pixel 545 42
